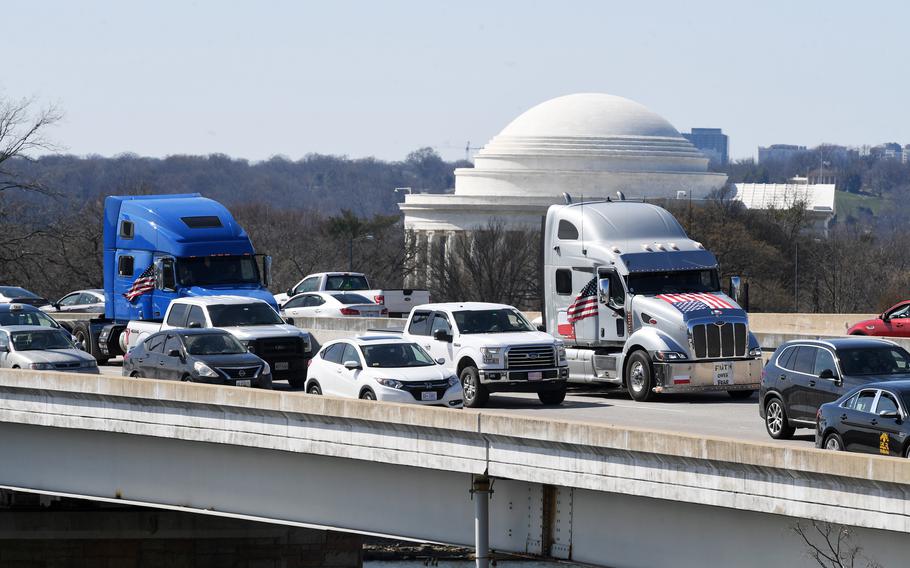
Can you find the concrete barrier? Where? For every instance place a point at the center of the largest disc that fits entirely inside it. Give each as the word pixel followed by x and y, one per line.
pixel 824 324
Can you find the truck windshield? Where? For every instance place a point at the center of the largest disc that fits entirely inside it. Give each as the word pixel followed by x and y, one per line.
pixel 346 282
pixel 41 340
pixel 396 355
pixel 233 315
pixel 676 282
pixel 503 320
pixel 217 270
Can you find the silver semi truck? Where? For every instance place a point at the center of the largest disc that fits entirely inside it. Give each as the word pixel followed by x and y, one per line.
pixel 640 305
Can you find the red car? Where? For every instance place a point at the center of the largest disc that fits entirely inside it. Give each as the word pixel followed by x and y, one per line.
pixel 894 322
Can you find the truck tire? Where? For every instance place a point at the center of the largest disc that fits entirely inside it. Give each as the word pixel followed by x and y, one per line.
pixel 83 334
pixel 475 394
pixel 639 377
pixel 552 398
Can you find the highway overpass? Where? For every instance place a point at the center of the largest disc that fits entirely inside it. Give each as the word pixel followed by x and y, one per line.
pixel 593 493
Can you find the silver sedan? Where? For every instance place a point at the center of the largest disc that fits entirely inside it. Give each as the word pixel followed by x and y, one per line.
pixel 42 349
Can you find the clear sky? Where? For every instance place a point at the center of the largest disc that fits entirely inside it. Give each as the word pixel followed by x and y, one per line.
pixel 382 78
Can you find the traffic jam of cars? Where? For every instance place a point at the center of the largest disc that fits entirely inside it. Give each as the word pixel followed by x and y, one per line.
pixel 186 298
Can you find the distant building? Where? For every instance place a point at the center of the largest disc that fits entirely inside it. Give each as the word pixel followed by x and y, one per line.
pixel 817 198
pixel 779 152
pixel 712 142
pixel 905 156
pixel 889 151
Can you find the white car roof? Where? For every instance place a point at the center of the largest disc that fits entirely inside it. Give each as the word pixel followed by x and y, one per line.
pixel 464 306
pixel 373 339
pixel 218 300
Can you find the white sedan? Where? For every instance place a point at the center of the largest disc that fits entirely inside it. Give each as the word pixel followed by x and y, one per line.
pixel 385 368
pixel 332 305
pixel 78 301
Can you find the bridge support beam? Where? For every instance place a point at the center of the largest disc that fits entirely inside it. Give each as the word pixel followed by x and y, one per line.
pixel 480 491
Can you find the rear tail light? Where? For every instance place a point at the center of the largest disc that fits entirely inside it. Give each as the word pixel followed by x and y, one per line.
pixel 818 414
pixel 379 299
pixel 309 362
pixel 349 312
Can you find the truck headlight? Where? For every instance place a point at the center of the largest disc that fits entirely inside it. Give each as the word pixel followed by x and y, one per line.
pixel 204 370
pixel 391 383
pixel 669 356
pixel 561 352
pixel 490 354
pixel 755 352
pixel 41 366
pixel 306 343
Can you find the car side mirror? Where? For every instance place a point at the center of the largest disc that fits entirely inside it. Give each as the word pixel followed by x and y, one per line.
pixel 173 353
pixel 889 414
pixel 194 325
pixel 352 365
pixel 827 374
pixel 442 335
pixel 289 321
pixel 290 292
pixel 541 327
pixel 440 361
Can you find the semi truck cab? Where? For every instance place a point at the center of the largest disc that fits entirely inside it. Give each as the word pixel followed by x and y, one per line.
pixel 640 305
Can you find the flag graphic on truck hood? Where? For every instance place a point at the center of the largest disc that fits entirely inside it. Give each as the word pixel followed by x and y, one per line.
pixel 697 301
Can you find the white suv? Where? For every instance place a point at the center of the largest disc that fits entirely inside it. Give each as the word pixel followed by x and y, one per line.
pixel 386 368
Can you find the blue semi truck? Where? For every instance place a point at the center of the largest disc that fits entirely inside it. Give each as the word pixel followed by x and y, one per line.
pixel 161 247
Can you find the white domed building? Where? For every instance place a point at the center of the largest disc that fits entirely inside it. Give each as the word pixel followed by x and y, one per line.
pixel 587 144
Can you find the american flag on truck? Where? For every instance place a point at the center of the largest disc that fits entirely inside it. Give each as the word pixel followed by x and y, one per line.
pixel 585 303
pixel 144 284
pixel 696 301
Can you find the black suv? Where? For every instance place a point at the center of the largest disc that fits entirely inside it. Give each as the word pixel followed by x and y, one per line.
pixel 802 375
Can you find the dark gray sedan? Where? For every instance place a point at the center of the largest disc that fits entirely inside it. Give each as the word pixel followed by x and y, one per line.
pixel 197 355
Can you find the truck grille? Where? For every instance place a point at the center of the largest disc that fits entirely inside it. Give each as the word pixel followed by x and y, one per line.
pixel 279 347
pixel 712 341
pixel 533 357
pixel 240 372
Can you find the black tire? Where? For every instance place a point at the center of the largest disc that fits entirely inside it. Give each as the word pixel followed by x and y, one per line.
pixel 552 398
pixel 136 375
pixel 475 394
pixel 857 333
pixel 741 395
pixel 834 442
pixel 83 335
pixel 777 423
pixel 298 382
pixel 367 394
pixel 639 377
pixel 186 379
pixel 907 451
pixel 314 388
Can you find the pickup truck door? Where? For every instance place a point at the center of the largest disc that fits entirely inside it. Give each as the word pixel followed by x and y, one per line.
pixel 419 329
pixel 440 349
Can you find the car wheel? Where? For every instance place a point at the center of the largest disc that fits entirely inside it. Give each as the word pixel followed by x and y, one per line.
pixel 186 379
pixel 314 388
pixel 834 443
pixel 907 452
pixel 857 333
pixel 741 395
pixel 639 380
pixel 552 397
pixel 136 375
pixel 475 394
pixel 367 395
pixel 776 421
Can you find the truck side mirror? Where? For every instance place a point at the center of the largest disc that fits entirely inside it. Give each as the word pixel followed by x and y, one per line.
pixel 442 335
pixel 603 289
pixel 194 325
pixel 267 271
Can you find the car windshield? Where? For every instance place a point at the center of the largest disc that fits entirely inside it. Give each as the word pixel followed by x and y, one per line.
pixel 212 344
pixel 352 299
pixel 503 320
pixel 23 317
pixel 216 270
pixel 387 355
pixel 16 292
pixel 889 360
pixel 231 315
pixel 41 340
pixel 346 282
pixel 676 282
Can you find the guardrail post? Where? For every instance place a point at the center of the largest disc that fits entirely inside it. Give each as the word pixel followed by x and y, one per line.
pixel 481 488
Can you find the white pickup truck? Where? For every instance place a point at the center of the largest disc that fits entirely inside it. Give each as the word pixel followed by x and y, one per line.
pixel 492 348
pixel 397 302
pixel 254 322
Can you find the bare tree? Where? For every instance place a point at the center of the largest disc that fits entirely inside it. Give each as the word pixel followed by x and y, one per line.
pixel 831 546
pixel 23 132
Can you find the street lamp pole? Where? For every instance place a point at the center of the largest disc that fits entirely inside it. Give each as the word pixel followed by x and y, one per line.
pixel 351 249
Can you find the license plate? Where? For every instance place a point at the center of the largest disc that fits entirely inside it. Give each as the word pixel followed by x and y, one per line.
pixel 428 395
pixel 281 366
pixel 723 374
pixel 245 383
pixel 535 375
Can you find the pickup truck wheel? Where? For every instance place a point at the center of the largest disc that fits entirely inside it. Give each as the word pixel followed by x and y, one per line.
pixel 639 381
pixel 776 421
pixel 740 395
pixel 475 394
pixel 552 397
